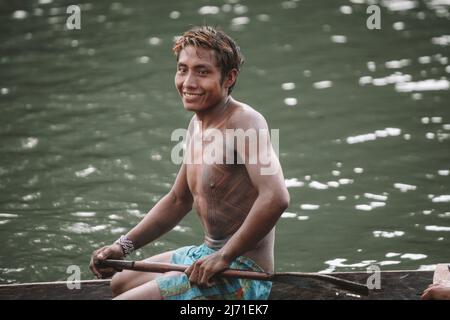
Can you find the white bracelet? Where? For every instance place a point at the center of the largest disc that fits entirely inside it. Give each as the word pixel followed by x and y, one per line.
pixel 126 245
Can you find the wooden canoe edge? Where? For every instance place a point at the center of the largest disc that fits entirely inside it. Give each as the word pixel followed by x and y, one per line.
pixel 59 290
pixel 395 285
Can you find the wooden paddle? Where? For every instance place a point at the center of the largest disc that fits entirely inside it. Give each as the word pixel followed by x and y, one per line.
pixel 297 278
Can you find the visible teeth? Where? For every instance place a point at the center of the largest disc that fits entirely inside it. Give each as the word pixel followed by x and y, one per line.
pixel 191 94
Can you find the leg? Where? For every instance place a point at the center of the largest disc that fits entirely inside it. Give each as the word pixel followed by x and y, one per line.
pixel 127 279
pixel 147 291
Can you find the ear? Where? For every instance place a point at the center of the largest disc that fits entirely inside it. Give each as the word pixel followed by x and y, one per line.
pixel 230 78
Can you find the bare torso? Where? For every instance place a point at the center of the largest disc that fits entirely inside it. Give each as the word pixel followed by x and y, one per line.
pixel 223 195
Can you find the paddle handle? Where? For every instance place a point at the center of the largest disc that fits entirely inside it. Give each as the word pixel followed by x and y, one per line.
pixel 231 273
pixel 166 267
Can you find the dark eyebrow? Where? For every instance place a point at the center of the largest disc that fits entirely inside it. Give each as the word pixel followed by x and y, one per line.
pixel 202 66
pixel 198 66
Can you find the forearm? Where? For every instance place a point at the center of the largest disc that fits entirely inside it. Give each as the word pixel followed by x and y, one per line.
pixel 261 219
pixel 159 220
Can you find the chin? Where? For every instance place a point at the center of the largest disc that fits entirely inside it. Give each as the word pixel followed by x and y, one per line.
pixel 190 107
pixel 194 107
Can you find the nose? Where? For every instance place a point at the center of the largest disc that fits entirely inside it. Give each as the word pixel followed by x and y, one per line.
pixel 190 81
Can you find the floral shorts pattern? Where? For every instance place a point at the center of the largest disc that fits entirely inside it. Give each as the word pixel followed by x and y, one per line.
pixel 178 287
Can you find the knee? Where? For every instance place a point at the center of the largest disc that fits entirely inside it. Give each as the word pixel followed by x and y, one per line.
pixel 117 284
pixel 173 273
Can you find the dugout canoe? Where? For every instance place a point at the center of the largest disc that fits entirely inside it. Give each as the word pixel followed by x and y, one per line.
pixel 394 285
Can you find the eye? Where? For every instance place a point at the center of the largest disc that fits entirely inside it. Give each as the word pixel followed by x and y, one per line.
pixel 181 69
pixel 203 72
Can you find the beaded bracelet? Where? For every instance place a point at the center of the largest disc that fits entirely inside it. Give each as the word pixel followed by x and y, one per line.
pixel 126 245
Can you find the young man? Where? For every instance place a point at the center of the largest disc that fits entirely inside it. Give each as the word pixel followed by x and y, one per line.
pixel 237 203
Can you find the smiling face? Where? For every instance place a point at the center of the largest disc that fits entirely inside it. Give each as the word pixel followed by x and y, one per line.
pixel 199 80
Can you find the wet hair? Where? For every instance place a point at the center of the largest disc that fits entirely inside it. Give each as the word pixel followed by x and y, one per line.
pixel 228 54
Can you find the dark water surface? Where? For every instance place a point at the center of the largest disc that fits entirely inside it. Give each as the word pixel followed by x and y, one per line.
pixel 364 119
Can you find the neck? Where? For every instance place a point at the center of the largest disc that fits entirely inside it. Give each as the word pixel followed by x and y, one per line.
pixel 209 117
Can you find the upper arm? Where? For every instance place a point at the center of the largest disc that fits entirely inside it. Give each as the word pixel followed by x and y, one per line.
pixel 261 161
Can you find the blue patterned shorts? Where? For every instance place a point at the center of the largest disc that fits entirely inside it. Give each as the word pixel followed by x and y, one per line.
pixel 178 287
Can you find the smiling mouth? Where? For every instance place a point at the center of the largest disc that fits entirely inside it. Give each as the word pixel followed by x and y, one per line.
pixel 191 94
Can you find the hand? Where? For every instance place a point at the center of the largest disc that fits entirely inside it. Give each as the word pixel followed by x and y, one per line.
pixel 201 272
pixel 437 291
pixel 113 251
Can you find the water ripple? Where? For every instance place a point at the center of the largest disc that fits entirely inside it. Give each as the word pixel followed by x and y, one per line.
pixel 388 234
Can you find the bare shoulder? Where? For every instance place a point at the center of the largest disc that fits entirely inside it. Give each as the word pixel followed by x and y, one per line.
pixel 244 116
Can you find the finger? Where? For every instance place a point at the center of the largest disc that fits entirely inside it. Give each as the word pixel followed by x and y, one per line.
pixel 427 294
pixel 212 281
pixel 104 254
pixel 95 267
pixel 107 273
pixel 91 267
pixel 193 278
pixel 103 271
pixel 94 260
pixel 188 271
pixel 193 275
pixel 95 254
pixel 204 277
pixel 96 272
pixel 208 280
pixel 196 268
